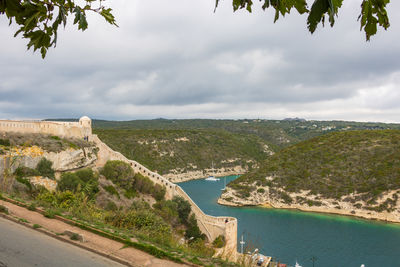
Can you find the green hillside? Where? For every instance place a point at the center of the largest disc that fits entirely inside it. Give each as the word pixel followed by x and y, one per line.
pixel 165 150
pixel 277 133
pixel 333 165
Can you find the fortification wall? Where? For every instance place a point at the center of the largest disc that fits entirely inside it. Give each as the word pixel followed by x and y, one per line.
pixel 61 129
pixel 211 226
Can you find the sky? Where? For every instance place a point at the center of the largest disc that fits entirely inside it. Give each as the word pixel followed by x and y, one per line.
pixel 178 59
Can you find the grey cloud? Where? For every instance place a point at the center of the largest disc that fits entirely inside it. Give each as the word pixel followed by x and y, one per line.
pixel 182 59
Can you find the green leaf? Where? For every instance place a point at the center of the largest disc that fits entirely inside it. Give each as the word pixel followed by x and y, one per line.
pixel 317 12
pixel 106 13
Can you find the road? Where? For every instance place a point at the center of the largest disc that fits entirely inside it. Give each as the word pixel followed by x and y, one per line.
pixel 22 247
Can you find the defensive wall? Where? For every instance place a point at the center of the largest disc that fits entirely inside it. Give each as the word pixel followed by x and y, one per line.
pixel 80 129
pixel 211 226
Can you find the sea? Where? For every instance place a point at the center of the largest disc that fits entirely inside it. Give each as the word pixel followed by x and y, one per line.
pixel 311 239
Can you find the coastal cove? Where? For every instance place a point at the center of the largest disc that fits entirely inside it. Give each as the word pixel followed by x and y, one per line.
pixel 291 235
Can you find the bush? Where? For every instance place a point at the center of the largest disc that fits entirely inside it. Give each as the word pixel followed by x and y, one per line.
pixel 3 209
pixel 32 207
pixel 85 175
pixel 193 231
pixel 158 192
pixel 219 241
pixel 45 169
pixel 4 142
pixel 168 209
pixel 69 181
pixel 119 173
pixel 36 226
pixel 23 171
pixel 24 181
pixel 260 190
pixel 184 208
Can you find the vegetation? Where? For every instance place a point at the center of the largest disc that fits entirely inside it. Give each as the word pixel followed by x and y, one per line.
pixel 44 168
pixel 187 145
pixel 219 242
pixel 189 150
pixel 366 163
pixel 46 142
pixel 80 181
pixel 159 228
pixel 36 226
pixel 3 209
pixel 121 174
pixel 373 12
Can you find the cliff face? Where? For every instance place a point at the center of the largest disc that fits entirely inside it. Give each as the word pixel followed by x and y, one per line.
pixel 306 201
pixel 66 160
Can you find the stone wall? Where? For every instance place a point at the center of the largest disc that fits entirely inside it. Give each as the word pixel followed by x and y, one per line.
pixel 79 129
pixel 211 226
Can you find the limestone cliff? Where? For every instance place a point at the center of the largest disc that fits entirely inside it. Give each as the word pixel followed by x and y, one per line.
pixel 67 160
pixel 306 201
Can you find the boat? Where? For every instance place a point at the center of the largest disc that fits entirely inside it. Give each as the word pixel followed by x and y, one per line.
pixel 223 189
pixel 297 264
pixel 212 177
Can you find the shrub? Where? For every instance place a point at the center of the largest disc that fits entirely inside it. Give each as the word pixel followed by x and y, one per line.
pixel 143 184
pixel 24 181
pixel 69 181
pixel 119 173
pixel 51 214
pixel 36 226
pixel 260 190
pixel 193 231
pixel 74 237
pixel 111 206
pixel 184 208
pixel 158 192
pixel 168 209
pixel 130 193
pixel 23 171
pixel 85 175
pixel 45 169
pixel 4 142
pixel 219 241
pixel 3 209
pixel 32 207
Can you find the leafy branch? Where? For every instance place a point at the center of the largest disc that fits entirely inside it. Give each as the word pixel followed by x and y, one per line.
pixel 373 12
pixel 39 19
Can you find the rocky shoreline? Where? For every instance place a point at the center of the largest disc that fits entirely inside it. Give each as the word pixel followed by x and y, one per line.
pixel 177 177
pixel 328 206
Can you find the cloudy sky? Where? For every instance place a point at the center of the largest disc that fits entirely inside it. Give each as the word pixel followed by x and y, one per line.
pixel 179 59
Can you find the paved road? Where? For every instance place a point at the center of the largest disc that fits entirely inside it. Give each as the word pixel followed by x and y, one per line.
pixel 22 247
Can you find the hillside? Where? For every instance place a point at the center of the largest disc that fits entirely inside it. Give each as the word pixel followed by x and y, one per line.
pixel 183 151
pixel 360 168
pixel 186 149
pixel 277 133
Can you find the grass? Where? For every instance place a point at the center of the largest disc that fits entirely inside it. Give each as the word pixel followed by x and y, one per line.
pixel 36 226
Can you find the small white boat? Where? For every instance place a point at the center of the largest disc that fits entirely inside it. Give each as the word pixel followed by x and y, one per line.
pixel 297 264
pixel 212 178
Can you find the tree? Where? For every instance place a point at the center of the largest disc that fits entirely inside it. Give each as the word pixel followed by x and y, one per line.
pixel 373 12
pixel 39 19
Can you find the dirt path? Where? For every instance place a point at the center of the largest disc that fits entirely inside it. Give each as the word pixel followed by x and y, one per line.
pixel 93 242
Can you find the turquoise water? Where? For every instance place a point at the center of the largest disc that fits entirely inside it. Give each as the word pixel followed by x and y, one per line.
pixel 336 241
